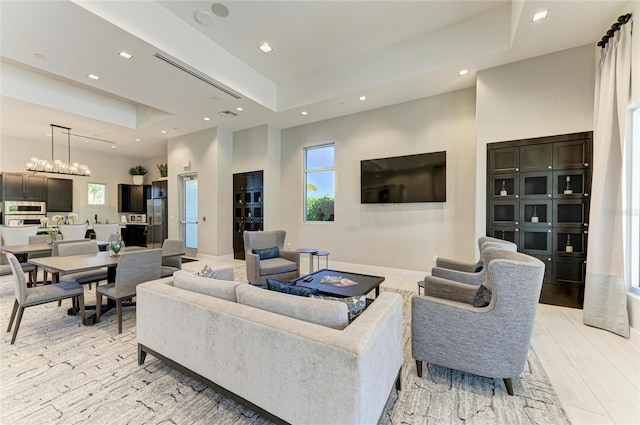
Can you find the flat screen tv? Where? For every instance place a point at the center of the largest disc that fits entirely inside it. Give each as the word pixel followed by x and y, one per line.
pixel 399 179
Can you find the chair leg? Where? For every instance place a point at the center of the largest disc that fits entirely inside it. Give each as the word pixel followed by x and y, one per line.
pixel 119 308
pixel 44 277
pixel 509 384
pixel 18 320
pixel 399 380
pixel 81 302
pixel 98 306
pixel 419 368
pixel 141 355
pixel 13 315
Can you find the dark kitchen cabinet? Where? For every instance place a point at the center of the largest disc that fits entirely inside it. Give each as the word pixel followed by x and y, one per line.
pixel 24 187
pixel 159 189
pixel 538 197
pixel 135 235
pixel 132 198
pixel 59 195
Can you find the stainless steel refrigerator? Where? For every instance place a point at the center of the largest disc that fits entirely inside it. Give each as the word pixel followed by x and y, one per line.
pixel 156 222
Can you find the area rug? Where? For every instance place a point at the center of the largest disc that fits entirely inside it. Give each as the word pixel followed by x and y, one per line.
pixel 59 372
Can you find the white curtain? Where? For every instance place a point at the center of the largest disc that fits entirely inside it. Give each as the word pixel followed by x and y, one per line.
pixel 605 299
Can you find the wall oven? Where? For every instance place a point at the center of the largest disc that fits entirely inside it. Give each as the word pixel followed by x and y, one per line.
pixel 19 213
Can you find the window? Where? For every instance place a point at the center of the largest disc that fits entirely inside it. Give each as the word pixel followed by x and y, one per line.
pixel 633 198
pixel 319 183
pixel 97 194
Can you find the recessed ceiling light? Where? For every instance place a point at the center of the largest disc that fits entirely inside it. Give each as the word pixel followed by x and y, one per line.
pixel 240 108
pixel 125 55
pixel 113 146
pixel 204 18
pixel 86 141
pixel 137 140
pixel 540 15
pixel 206 119
pixel 38 55
pixel 48 134
pixel 463 72
pixel 304 113
pixel 163 131
pixel 362 98
pixel 266 48
pixel 93 77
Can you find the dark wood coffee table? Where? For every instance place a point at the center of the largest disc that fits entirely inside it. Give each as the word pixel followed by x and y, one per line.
pixel 365 283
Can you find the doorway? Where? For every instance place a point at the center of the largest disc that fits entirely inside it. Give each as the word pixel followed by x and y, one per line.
pixel 189 213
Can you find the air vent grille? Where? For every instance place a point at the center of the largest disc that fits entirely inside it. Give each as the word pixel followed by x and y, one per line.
pixel 196 75
pixel 228 114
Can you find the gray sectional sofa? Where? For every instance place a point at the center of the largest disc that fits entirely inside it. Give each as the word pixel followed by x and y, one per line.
pixel 291 359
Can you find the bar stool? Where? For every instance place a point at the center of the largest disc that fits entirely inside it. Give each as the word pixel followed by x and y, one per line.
pixel 324 254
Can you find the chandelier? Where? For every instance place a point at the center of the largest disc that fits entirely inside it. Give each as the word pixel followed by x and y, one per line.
pixel 56 165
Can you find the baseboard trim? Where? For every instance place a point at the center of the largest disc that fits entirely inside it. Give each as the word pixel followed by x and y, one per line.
pixel 635 337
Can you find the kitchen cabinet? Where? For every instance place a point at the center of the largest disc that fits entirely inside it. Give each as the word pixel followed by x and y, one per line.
pixel 59 195
pixel 159 189
pixel 132 198
pixel 24 187
pixel 538 198
pixel 135 235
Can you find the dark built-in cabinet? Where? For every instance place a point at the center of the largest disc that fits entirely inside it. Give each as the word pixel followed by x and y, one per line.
pixel 248 207
pixel 132 198
pixel 159 189
pixel 24 187
pixel 59 195
pixel 538 197
pixel 134 235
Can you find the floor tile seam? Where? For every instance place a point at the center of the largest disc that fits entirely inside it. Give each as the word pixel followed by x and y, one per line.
pixel 589 413
pixel 558 338
pixel 593 387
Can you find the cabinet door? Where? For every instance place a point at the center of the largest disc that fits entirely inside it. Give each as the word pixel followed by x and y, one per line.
pixel 507 233
pixel 536 157
pixel 36 187
pixel 548 267
pixel 124 198
pixel 536 241
pixel 569 184
pixel 571 213
pixel 575 239
pixel 13 186
pixel 504 213
pixel 137 199
pixel 536 213
pixel 504 160
pixel 59 195
pixel 536 185
pixel 159 189
pixel 570 155
pixel 504 186
pixel 569 271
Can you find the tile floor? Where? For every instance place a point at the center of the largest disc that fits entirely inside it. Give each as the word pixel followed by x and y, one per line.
pixel 595 373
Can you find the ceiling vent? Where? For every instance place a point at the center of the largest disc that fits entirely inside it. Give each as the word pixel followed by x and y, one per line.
pixel 196 75
pixel 228 114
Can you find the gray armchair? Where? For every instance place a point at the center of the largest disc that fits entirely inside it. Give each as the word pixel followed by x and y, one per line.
pixel 171 263
pixel 476 276
pixel 446 263
pixel 284 267
pixel 491 341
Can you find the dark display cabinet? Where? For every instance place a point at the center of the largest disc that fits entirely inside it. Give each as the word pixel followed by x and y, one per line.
pixel 248 207
pixel 59 195
pixel 538 197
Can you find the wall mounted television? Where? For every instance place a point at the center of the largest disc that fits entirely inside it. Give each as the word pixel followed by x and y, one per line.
pixel 403 179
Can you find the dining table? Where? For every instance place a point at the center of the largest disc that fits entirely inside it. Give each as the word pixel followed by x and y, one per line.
pixel 83 262
pixel 40 247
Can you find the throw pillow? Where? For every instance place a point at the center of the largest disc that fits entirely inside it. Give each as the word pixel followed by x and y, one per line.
pixel 483 297
pixel 355 305
pixel 267 253
pixel 289 288
pixel 207 272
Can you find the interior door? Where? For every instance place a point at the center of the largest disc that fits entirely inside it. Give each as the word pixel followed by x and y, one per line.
pixel 189 214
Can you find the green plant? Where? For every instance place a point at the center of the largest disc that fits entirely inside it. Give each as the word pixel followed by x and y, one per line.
pixel 138 170
pixel 164 169
pixel 320 209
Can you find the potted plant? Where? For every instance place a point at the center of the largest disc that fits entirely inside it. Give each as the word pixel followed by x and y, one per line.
pixel 138 173
pixel 164 169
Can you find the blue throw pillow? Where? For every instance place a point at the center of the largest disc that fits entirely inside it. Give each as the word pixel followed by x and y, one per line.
pixel 267 253
pixel 289 288
pixel 355 305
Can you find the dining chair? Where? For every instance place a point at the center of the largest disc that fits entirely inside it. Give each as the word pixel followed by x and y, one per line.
pixel 133 268
pixel 27 297
pixel 19 235
pixel 171 264
pixel 78 248
pixel 33 240
pixel 104 230
pixel 73 231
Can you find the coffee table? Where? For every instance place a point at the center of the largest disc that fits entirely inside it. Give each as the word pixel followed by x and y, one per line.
pixel 365 283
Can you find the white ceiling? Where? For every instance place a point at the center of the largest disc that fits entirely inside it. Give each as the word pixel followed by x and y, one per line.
pixel 326 54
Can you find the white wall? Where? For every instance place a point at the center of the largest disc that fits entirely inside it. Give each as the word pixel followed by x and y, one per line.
pixel 401 235
pixel 210 153
pixel 543 96
pixel 105 168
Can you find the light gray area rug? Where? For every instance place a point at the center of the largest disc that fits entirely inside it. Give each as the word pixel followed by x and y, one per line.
pixel 59 372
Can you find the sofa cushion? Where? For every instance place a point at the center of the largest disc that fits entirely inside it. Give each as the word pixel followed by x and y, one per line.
pixel 277 266
pixel 214 287
pixel 289 288
pixel 267 253
pixel 321 312
pixel 355 305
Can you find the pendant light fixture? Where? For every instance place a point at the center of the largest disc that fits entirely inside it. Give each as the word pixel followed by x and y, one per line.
pixel 58 166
